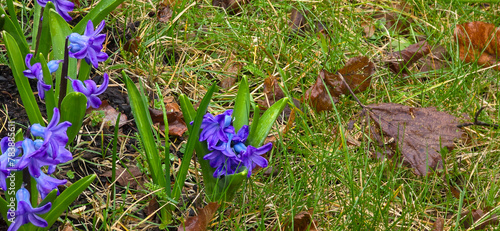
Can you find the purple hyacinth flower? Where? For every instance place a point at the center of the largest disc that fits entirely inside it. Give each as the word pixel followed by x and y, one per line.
pixel 35 72
pixel 216 128
pixel 25 213
pixel 9 157
pixel 62 7
pixel 54 135
pixel 251 157
pixel 89 45
pixel 45 184
pixel 90 90
pixel 229 167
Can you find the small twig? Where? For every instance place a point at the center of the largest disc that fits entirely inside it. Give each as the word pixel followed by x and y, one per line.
pixel 350 90
pixel 478 122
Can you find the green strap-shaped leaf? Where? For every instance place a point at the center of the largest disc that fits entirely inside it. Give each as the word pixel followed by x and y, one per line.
pixel 73 109
pixel 16 61
pixel 13 28
pixel 97 14
pixel 265 123
pixel 59 30
pixel 229 185
pixel 45 37
pixel 201 148
pixel 65 199
pixel 194 135
pixel 3 208
pixel 142 119
pixel 241 110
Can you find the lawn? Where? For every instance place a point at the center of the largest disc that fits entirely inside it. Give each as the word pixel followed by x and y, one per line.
pixel 328 166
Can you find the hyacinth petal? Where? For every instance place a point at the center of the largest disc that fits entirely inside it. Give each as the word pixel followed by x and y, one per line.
pixel 4 144
pixel 37 221
pixel 102 56
pixel 27 60
pixel 64 14
pixel 99 28
pixel 38 130
pixel 93 101
pixel 242 134
pixel 260 161
pixel 42 2
pixel 65 5
pixel 103 86
pixel 91 86
pixel 16 225
pixel 92 56
pixel 55 118
pixel 45 184
pixel 89 29
pixel 79 87
pixel 98 40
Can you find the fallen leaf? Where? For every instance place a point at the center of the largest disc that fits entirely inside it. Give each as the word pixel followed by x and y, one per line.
pixel 478 41
pixel 231 68
pixel 123 177
pixel 471 217
pixel 438 224
pixel 297 21
pixel 356 72
pixel 132 46
pixel 164 13
pixel 368 29
pixel 435 60
pixel 399 61
pixel 303 221
pixel 231 6
pixel 176 124
pixel 273 92
pixel 110 115
pixel 419 133
pixel 200 222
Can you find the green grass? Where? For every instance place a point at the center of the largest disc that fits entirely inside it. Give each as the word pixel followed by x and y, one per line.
pixel 316 166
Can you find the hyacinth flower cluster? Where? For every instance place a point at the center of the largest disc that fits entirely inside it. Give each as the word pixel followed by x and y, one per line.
pixel 62 7
pixel 229 154
pixel 89 45
pixel 35 155
pixel 35 72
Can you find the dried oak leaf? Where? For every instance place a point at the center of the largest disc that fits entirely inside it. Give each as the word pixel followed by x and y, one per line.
pixel 356 72
pixel 123 177
pixel 200 222
pixel 273 92
pixel 303 221
pixel 419 133
pixel 478 41
pixel 231 6
pixel 110 114
pixel 399 61
pixel 231 68
pixel 132 46
pixel 297 21
pixel 471 217
pixel 176 124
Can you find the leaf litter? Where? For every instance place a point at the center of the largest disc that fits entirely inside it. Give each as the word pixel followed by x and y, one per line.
pixel 478 42
pixel 200 221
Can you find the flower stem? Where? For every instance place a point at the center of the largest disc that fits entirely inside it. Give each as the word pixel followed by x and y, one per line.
pixel 64 74
pixel 39 32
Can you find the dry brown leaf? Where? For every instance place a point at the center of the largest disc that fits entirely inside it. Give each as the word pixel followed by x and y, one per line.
pixel 438 224
pixel 356 72
pixel 232 68
pixel 435 60
pixel 123 177
pixel 231 6
pixel 302 221
pixel 419 133
pixel 478 41
pixel 110 115
pixel 176 124
pixel 368 29
pixel 132 45
pixel 297 21
pixel 400 61
pixel 471 217
pixel 164 13
pixel 200 222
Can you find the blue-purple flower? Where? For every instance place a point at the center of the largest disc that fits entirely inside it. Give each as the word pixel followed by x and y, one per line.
pixel 8 159
pixel 54 65
pixel 216 128
pixel 25 213
pixel 62 7
pixel 35 72
pixel 90 90
pixel 45 184
pixel 229 153
pixel 54 136
pixel 89 45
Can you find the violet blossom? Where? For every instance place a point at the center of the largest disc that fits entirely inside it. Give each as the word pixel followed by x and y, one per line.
pixel 90 90
pixel 25 213
pixel 216 128
pixel 89 45
pixel 62 7
pixel 45 184
pixel 54 136
pixel 35 72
